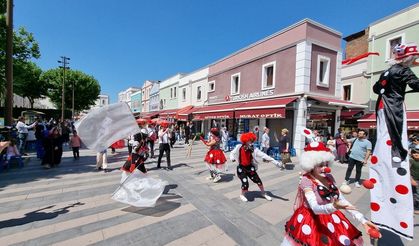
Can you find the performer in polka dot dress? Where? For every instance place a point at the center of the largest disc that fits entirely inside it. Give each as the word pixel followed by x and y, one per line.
pixel 391 196
pixel 248 156
pixel 317 218
pixel 215 157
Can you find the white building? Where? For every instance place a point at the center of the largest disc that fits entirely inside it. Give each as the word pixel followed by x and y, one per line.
pixel 193 89
pixel 125 96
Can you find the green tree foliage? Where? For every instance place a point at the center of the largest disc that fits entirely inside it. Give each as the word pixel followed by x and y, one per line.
pixel 25 48
pixel 86 88
pixel 27 81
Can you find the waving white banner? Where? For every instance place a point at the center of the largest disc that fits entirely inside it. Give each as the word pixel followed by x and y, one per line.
pixel 104 126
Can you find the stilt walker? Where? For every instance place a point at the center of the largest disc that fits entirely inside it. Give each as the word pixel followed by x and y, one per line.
pixel 317 218
pixel 248 158
pixel 215 157
pixel 391 194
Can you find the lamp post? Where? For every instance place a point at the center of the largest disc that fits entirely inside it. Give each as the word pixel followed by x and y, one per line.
pixel 65 63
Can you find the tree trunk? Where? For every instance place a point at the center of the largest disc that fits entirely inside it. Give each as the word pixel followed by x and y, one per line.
pixel 31 101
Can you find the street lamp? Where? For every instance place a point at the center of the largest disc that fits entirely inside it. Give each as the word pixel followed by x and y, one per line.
pixel 65 63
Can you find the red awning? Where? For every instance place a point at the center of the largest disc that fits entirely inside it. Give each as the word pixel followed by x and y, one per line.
pixel 183 114
pixel 223 111
pixel 369 120
pixel 149 115
pixel 168 113
pixel 337 102
pixel 271 108
pixel 350 114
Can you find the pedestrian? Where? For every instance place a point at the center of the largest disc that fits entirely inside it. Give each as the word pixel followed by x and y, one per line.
pixel 341 147
pixel 102 160
pixel 390 162
pixel 284 147
pixel 53 145
pixel 75 143
pixel 39 135
pixel 265 141
pixel 358 157
pixel 65 132
pixel 331 144
pixel 224 138
pixel 187 133
pixel 414 176
pixel 164 147
pixel 152 137
pixel 22 130
pixel 248 158
pixel 215 157
pixel 13 153
pixel 317 217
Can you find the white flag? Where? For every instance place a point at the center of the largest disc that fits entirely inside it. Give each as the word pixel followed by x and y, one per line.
pixel 104 126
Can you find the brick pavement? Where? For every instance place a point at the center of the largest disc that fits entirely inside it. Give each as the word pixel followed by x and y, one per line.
pixel 71 205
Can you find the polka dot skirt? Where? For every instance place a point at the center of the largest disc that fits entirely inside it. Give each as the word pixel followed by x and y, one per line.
pixel 307 228
pixel 391 197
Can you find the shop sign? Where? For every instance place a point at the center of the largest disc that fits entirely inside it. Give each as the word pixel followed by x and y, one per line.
pixel 258 116
pixel 252 95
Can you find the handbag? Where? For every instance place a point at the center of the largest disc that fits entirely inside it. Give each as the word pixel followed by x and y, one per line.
pixel 350 149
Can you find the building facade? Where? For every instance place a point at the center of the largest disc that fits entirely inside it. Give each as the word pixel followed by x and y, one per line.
pixel 154 97
pixel 169 92
pixel 384 34
pixel 291 79
pixel 136 102
pixel 145 90
pixel 125 96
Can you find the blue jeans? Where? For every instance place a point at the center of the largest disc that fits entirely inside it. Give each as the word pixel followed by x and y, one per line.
pixel 22 142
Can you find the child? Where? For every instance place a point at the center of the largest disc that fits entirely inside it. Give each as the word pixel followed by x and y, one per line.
pixel 247 156
pixel 215 156
pixel 75 145
pixel 317 219
pixel 13 153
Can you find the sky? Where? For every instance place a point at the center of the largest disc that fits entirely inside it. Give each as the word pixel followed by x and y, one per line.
pixel 122 43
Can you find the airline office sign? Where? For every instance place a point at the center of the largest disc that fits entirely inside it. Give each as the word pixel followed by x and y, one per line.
pixel 252 95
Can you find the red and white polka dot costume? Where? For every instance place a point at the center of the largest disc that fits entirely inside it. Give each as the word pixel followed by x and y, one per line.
pixel 316 221
pixel 391 196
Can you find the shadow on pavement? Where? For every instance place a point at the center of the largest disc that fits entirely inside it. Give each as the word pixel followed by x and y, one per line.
pixel 38 215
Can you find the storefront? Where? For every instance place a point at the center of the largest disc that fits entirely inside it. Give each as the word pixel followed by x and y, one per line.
pixel 369 122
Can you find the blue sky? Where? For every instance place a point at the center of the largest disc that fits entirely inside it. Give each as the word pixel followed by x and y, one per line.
pixel 124 42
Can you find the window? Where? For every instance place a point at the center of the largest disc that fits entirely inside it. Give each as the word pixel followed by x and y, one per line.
pixel 391 42
pixel 198 93
pixel 184 94
pixel 171 92
pixel 347 89
pixel 174 92
pixel 268 75
pixel 235 84
pixel 211 86
pixel 323 70
pixel 103 102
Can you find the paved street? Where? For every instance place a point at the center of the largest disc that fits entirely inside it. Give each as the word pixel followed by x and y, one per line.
pixel 71 205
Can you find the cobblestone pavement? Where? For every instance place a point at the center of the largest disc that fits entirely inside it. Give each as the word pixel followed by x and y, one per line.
pixel 71 205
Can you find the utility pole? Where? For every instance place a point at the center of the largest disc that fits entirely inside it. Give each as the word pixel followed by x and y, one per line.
pixel 65 63
pixel 9 65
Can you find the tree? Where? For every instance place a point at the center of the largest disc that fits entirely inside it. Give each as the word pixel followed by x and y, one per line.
pixel 25 48
pixel 86 88
pixel 27 82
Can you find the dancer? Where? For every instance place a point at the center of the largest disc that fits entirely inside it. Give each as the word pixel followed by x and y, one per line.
pixel 215 157
pixel 248 156
pixel 137 188
pixel 391 196
pixel 317 219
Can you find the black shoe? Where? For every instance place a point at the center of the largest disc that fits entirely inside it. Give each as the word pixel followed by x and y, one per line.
pixel 158 167
pixel 170 168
